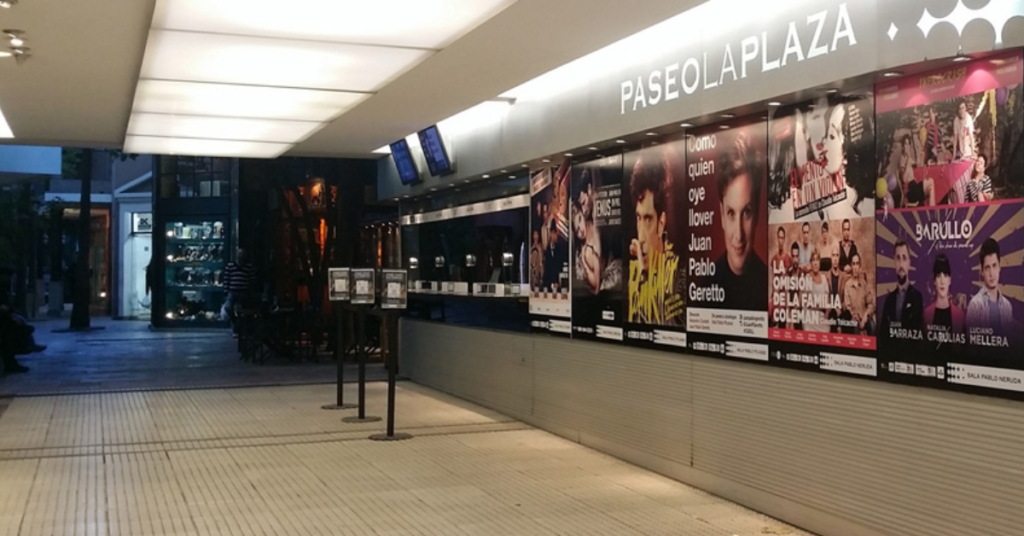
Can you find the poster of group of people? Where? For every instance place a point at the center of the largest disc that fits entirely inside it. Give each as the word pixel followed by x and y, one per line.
pixel 877 234
pixel 821 230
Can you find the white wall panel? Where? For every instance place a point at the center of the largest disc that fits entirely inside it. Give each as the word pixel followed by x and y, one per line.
pixel 835 455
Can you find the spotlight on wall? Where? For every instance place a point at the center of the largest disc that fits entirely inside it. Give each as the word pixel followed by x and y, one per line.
pixel 6 4
pixel 15 37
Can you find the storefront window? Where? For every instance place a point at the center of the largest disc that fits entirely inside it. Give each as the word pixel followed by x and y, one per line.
pixel 186 176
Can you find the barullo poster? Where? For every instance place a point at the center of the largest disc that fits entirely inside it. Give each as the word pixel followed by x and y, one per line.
pixel 598 267
pixel 950 231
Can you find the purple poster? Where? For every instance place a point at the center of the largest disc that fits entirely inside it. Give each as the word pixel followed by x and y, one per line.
pixel 950 295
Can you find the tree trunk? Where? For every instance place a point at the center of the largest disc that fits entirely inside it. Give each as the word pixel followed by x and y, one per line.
pixel 80 308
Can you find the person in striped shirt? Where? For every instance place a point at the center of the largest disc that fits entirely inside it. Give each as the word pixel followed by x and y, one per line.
pixel 239 280
pixel 979 189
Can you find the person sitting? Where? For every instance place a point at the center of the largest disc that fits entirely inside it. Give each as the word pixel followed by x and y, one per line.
pixel 15 339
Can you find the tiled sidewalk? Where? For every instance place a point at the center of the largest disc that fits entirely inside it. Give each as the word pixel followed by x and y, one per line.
pixel 262 461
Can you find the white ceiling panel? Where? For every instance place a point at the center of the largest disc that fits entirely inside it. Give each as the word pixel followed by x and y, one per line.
pixel 201 147
pixel 220 128
pixel 192 98
pixel 411 23
pixel 261 61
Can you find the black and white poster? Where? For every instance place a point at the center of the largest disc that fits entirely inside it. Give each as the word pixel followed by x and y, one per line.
pixel 338 284
pixel 363 290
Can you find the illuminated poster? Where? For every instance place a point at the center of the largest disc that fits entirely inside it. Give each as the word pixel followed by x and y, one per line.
pixel 950 295
pixel 598 267
pixel 726 270
pixel 654 194
pixel 550 304
pixel 821 235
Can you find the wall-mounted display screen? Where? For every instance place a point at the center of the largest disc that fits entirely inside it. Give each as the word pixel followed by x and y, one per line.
pixel 435 151
pixel 402 156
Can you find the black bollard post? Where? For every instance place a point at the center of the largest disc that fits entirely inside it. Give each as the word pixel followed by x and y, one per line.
pixel 339 355
pixel 361 348
pixel 391 362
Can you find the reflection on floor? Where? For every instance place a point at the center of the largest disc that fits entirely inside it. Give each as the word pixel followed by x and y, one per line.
pixel 267 460
pixel 127 355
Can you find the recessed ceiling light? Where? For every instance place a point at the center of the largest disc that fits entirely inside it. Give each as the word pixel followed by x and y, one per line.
pixel 264 61
pixel 220 128
pixel 686 125
pixel 545 160
pixel 486 176
pixel 832 91
pixel 652 133
pixel 226 100
pixel 525 165
pixel 774 103
pixel 724 127
pixel 958 58
pixel 429 24
pixel 406 196
pixel 892 74
pixel 591 148
pixel 504 171
pixel 568 154
pixel 17 41
pixel 433 189
pixel 620 141
pixel 728 116
pixel 511 176
pixel 5 54
pixel 465 181
pixel 203 147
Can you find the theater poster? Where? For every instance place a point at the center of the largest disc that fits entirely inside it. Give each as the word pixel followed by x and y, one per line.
pixel 654 197
pixel 950 231
pixel 550 300
pixel 821 235
pixel 726 267
pixel 598 267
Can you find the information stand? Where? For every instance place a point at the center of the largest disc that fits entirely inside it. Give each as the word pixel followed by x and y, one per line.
pixel 390 320
pixel 361 312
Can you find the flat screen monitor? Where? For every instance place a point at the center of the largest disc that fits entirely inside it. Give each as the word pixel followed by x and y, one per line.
pixel 407 171
pixel 434 151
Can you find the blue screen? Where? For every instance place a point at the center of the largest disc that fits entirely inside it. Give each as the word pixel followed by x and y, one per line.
pixel 434 151
pixel 407 171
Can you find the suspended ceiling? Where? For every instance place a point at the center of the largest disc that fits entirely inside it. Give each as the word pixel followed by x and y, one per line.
pixel 78 87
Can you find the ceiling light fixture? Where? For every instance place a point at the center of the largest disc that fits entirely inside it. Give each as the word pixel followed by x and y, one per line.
pixel 6 4
pixel 545 160
pixel 728 116
pixel 592 148
pixel 892 74
pixel 568 154
pixel 960 56
pixel 486 176
pixel 652 133
pixel 620 141
pixel 686 125
pixel 774 103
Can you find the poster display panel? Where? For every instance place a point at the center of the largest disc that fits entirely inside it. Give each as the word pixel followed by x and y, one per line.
pixel 950 231
pixel 338 284
pixel 821 232
pixel 363 291
pixel 654 199
pixel 727 310
pixel 395 291
pixel 598 267
pixel 550 303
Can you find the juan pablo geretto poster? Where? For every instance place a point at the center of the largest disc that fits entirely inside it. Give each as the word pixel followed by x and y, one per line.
pixel 550 304
pixel 727 309
pixel 654 196
pixel 598 266
pixel 821 234
pixel 951 226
